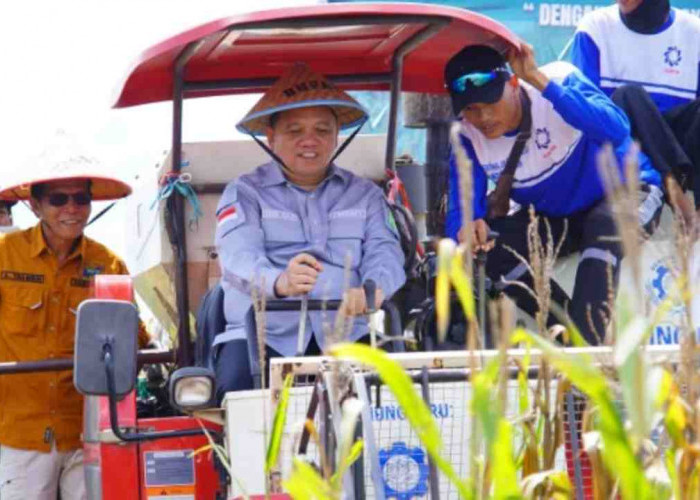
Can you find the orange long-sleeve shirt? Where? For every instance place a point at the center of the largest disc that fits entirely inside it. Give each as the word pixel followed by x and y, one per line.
pixel 38 304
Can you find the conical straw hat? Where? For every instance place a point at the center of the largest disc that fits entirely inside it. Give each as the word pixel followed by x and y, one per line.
pixel 300 87
pixel 63 160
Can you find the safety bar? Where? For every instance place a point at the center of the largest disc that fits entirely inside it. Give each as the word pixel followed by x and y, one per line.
pixel 145 357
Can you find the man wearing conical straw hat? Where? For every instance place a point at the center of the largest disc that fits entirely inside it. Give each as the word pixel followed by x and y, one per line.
pixel 45 272
pixel 294 222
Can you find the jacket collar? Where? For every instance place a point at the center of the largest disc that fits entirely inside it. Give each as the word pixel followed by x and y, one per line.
pixel 271 174
pixel 38 244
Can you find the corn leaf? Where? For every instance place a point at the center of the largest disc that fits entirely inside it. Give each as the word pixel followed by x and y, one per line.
pixel 305 483
pixel 634 373
pixel 224 459
pixel 555 481
pixel 463 285
pixel 417 412
pixel 618 453
pixel 485 405
pixel 348 449
pixel 446 250
pixel 273 448
pixel 505 481
pixel 346 461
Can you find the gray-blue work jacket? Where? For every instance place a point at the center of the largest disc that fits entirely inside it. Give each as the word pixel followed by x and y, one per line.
pixel 263 221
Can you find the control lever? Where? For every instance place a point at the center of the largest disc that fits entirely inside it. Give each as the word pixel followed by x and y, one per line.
pixel 370 288
pixel 301 333
pixel 481 277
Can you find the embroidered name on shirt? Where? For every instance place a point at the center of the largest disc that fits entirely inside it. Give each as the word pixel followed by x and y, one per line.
pixel 269 213
pixel 26 277
pixel 352 212
pixel 80 283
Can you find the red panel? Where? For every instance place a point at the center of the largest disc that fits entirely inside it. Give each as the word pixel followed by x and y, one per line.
pixel 113 286
pixel 122 457
pixel 205 476
pixel 225 53
pixel 583 460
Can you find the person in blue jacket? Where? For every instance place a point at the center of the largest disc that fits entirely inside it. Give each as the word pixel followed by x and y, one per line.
pixel 646 56
pixel 536 135
pixel 301 225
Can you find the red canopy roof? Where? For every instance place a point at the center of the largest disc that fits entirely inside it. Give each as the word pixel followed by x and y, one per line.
pixel 334 39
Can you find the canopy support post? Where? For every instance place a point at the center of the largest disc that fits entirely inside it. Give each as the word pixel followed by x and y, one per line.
pixel 395 91
pixel 175 215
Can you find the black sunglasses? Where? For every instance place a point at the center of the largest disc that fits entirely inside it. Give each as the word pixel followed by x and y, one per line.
pixel 60 199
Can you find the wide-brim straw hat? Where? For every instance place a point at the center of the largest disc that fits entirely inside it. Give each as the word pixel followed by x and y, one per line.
pixel 300 87
pixel 60 163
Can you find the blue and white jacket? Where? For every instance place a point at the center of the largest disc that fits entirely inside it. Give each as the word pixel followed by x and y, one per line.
pixel 665 63
pixel 557 172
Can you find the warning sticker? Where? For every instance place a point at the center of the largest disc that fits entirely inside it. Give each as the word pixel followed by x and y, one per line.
pixel 169 468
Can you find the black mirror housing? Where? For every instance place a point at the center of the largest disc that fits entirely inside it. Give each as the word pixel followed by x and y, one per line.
pixel 105 325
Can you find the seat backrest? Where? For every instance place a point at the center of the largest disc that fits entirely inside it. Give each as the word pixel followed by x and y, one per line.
pixel 210 322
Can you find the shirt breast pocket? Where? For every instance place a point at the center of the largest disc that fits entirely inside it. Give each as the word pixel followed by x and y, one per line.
pixel 69 314
pixel 282 232
pixel 345 237
pixel 22 310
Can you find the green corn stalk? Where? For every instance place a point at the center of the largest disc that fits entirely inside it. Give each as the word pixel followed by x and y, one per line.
pixel 273 448
pixel 462 284
pixel 553 484
pixel 446 251
pixel 223 457
pixel 416 411
pixel 618 452
pixel 305 483
pixel 348 451
pixel 498 432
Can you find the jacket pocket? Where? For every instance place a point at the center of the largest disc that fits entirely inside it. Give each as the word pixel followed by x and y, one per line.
pixel 66 340
pixel 22 311
pixel 345 235
pixel 280 231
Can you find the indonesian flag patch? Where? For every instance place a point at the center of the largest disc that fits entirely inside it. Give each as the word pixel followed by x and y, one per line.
pixel 226 215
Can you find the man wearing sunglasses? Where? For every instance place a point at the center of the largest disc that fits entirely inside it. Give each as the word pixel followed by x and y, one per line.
pixel 536 135
pixel 45 272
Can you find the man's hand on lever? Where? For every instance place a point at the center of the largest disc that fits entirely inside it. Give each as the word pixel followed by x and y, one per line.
pixel 480 236
pixel 355 303
pixel 299 277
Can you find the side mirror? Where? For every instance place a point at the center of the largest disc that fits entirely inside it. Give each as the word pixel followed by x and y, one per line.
pixel 105 363
pixel 192 388
pixel 106 332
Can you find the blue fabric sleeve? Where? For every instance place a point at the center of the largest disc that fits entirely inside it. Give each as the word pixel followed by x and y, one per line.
pixel 240 243
pixel 586 56
pixel 382 256
pixel 453 219
pixel 586 108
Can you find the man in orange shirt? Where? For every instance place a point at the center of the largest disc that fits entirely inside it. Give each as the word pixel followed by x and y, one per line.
pixel 45 273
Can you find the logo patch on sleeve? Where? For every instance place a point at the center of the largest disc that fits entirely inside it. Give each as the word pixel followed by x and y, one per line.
pixel 89 272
